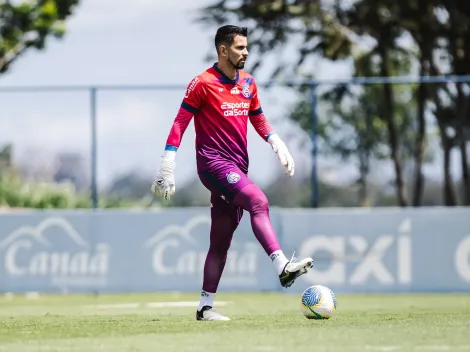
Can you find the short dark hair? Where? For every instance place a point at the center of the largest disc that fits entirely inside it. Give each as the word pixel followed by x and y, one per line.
pixel 226 35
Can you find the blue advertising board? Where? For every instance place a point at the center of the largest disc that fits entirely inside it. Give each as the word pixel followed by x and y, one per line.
pixel 354 250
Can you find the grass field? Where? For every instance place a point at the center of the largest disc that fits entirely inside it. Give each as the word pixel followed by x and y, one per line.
pixel 260 322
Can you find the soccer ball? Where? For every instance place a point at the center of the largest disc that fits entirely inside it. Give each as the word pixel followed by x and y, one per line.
pixel 318 302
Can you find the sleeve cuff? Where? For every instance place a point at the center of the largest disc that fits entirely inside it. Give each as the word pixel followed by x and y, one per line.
pixel 269 135
pixel 256 112
pixel 188 107
pixel 171 148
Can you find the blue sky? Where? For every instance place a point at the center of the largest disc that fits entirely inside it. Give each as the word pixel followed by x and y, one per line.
pixel 129 42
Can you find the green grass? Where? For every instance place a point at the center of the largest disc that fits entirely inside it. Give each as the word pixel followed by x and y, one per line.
pixel 260 322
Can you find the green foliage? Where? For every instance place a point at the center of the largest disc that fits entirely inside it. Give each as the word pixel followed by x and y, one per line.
pixel 28 23
pixel 14 192
pixel 18 193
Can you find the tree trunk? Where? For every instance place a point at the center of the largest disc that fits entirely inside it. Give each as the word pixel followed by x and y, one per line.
pixel 463 137
pixel 364 161
pixel 392 131
pixel 363 196
pixel 458 48
pixel 362 193
pixel 420 145
pixel 449 194
pixel 465 170
pixel 425 46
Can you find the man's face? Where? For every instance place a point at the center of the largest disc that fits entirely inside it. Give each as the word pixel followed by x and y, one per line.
pixel 237 53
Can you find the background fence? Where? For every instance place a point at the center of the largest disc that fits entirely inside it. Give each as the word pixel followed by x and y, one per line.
pixel 108 139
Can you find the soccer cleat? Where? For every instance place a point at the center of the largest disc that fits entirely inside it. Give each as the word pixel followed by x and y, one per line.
pixel 209 313
pixel 293 270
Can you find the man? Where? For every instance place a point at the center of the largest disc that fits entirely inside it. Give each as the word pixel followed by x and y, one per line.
pixel 222 99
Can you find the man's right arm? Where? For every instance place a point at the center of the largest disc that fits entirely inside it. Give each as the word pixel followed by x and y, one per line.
pixel 181 122
pixel 164 183
pixel 191 103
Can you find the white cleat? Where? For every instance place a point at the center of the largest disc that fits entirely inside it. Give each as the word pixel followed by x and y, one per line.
pixel 209 313
pixel 293 270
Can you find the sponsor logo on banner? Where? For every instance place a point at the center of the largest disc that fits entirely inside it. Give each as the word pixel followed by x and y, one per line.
pixel 54 253
pixel 357 260
pixel 177 251
pixel 462 259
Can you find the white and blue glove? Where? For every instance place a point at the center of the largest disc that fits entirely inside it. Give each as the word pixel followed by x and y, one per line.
pixel 164 183
pixel 283 153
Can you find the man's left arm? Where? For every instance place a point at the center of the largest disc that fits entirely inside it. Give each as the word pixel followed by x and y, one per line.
pixel 267 132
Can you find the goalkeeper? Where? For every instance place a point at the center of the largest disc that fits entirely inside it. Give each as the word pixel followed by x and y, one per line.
pixel 222 100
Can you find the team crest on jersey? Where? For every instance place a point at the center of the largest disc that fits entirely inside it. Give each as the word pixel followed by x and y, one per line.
pixel 233 177
pixel 246 90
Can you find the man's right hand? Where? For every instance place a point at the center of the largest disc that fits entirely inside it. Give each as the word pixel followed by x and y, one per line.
pixel 164 187
pixel 164 183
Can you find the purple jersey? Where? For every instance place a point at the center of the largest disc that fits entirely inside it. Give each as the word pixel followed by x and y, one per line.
pixel 221 109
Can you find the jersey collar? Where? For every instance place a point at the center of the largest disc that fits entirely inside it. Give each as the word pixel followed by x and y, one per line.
pixel 225 79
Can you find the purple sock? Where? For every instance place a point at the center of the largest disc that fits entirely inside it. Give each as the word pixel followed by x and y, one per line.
pixel 253 200
pixel 225 219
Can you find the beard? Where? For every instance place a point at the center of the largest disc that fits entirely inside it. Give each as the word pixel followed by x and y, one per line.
pixel 239 65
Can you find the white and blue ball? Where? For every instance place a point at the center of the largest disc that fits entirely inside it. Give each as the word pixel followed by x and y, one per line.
pixel 318 302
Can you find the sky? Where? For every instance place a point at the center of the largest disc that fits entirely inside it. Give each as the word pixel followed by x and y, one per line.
pixel 121 42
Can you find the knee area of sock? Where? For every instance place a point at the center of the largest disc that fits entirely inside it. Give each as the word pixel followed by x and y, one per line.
pixel 219 250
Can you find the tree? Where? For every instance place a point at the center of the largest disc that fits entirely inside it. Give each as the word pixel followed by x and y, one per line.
pixel 458 43
pixel 380 22
pixel 71 167
pixel 367 133
pixel 28 24
pixel 440 33
pixel 274 23
pixel 348 127
pixel 130 186
pixel 330 32
pixel 337 30
pixel 424 30
pixel 5 157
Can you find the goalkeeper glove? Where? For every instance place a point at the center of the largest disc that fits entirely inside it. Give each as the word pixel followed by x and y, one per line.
pixel 283 154
pixel 164 183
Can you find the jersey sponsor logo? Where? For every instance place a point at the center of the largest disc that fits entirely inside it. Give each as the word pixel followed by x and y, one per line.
pixel 234 91
pixel 235 109
pixel 246 90
pixel 191 87
pixel 233 177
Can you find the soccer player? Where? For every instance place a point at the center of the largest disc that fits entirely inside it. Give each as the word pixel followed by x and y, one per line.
pixel 222 100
